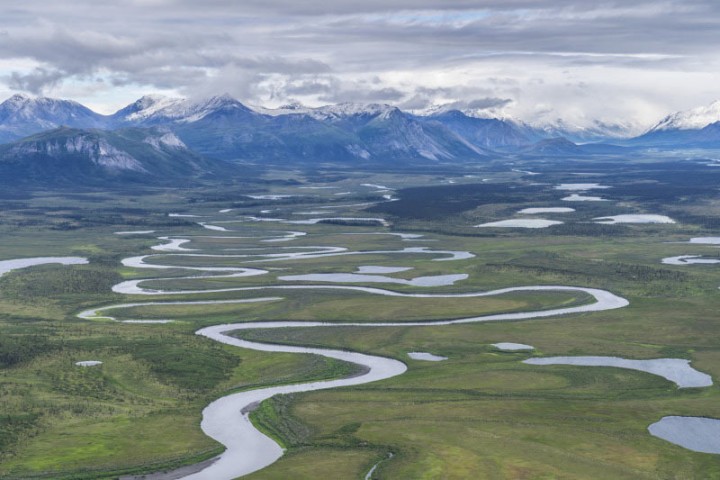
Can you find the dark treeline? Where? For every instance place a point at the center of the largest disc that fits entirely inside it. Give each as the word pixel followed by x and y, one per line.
pixel 49 282
pixel 17 349
pixel 193 365
pixel 437 202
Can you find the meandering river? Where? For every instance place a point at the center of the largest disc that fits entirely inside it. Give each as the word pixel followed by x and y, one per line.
pixel 227 419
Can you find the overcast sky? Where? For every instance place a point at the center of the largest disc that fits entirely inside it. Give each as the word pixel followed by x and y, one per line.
pixel 537 60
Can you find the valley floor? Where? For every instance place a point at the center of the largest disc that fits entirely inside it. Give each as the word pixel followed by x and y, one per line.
pixel 480 413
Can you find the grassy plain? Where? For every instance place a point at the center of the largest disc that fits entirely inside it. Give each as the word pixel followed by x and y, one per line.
pixel 480 414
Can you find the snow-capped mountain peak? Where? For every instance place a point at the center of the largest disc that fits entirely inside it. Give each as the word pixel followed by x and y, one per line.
pixel 150 105
pixel 147 101
pixel 35 106
pixel 152 109
pixel 201 108
pixel 348 109
pixel 329 112
pixel 22 115
pixel 445 108
pixel 292 108
pixel 18 99
pixel 693 119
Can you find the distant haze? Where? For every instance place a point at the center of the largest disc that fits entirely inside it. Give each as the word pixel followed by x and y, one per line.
pixel 535 60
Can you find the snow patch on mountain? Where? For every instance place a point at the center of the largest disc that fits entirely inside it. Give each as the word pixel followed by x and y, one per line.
pixel 358 151
pixel 166 140
pixel 111 158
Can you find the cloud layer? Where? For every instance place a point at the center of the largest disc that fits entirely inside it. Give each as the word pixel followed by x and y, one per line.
pixel 539 60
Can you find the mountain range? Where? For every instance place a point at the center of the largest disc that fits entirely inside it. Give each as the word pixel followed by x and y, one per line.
pixel 222 127
pixel 148 136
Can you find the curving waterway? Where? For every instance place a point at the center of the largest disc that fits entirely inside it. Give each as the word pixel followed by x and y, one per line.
pixel 227 419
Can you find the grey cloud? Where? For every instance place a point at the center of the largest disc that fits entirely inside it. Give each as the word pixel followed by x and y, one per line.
pixel 364 95
pixel 424 98
pixel 176 11
pixel 486 103
pixel 309 87
pixel 359 41
pixel 362 50
pixel 276 64
pixel 416 102
pixel 36 81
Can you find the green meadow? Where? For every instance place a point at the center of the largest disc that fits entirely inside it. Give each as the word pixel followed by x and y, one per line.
pixel 481 413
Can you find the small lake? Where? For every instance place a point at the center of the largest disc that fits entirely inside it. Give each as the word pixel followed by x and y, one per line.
pixel 583 198
pixel 88 363
pixel 580 186
pixel 677 370
pixel 16 263
pixel 512 347
pixel 428 357
pixel 365 269
pixel 689 260
pixel 521 223
pixel 698 434
pixel 536 210
pixel 634 218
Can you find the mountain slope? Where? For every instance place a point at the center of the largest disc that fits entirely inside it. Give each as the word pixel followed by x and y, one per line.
pixel 69 156
pixel 693 119
pixel 484 132
pixel 394 134
pixel 596 131
pixel 697 127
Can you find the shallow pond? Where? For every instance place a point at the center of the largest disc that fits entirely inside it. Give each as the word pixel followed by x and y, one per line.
pixel 580 186
pixel 521 223
pixel 698 434
pixel 512 347
pixel 583 198
pixel 689 260
pixel 533 211
pixel 16 263
pixel 634 218
pixel 677 370
pixel 428 357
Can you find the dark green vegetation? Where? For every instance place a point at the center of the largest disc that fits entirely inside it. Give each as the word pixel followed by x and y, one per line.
pixel 479 414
